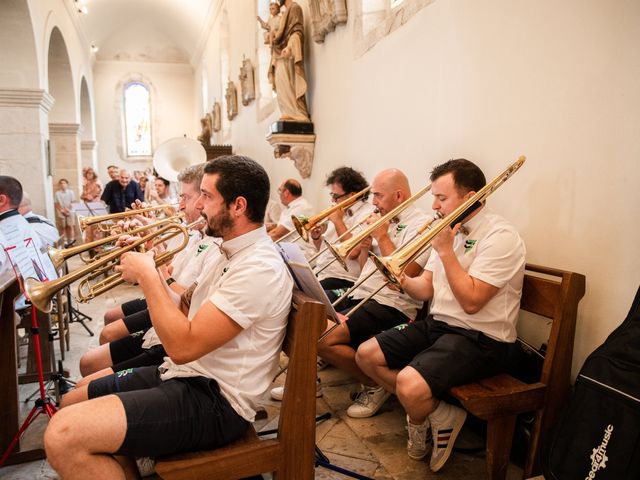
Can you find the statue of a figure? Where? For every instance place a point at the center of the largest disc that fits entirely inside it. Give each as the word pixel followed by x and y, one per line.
pixel 217 117
pixel 205 135
pixel 232 100
pixel 286 72
pixel 271 26
pixel 247 82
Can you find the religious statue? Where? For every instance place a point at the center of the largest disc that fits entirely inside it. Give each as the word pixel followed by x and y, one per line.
pixel 247 82
pixel 232 100
pixel 271 26
pixel 286 71
pixel 217 117
pixel 205 135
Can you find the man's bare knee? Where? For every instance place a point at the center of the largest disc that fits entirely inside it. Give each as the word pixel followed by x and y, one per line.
pixel 367 352
pixel 56 437
pixel 113 314
pixel 411 387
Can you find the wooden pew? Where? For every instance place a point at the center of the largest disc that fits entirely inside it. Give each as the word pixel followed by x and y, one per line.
pixel 553 294
pixel 292 454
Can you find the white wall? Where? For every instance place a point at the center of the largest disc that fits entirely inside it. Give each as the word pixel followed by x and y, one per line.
pixel 172 107
pixel 490 80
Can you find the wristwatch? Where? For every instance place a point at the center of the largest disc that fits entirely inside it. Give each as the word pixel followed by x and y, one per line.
pixel 170 280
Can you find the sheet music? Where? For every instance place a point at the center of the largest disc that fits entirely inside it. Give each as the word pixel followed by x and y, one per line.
pixel 24 249
pixel 304 276
pixel 88 209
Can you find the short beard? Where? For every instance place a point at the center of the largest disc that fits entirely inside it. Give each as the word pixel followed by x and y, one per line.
pixel 216 227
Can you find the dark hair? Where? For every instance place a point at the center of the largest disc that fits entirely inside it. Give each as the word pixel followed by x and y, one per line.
pixel 64 180
pixel 349 179
pixel 166 182
pixel 113 166
pixel 12 188
pixel 239 176
pixel 293 187
pixel 467 176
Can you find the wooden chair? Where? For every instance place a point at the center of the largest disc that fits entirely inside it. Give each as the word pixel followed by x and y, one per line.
pixel 292 454
pixel 500 399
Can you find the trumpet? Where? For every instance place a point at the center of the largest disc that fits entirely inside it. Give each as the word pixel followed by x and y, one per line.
pixel 84 222
pixel 304 224
pixel 393 265
pixel 342 250
pixel 41 293
pixel 59 255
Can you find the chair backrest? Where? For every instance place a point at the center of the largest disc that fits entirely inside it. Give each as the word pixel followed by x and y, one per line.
pixel 296 425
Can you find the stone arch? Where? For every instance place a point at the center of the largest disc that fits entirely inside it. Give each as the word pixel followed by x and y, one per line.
pixel 18 55
pixel 64 131
pixel 87 130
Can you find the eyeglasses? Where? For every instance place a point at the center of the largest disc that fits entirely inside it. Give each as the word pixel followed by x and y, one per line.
pixel 337 196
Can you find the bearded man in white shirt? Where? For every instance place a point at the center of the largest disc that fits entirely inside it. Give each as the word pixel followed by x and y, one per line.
pixel 222 351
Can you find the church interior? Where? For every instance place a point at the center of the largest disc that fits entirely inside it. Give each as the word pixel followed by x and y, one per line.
pixel 403 84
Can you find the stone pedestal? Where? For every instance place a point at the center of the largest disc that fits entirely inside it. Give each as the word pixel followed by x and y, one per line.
pixel 24 132
pixel 65 155
pixel 295 141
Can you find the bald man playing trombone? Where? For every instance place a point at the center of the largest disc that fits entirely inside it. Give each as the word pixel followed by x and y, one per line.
pixel 388 307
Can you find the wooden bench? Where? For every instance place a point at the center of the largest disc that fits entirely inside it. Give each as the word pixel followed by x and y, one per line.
pixel 291 455
pixel 500 399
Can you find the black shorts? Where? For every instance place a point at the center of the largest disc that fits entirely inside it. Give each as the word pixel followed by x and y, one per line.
pixel 177 415
pixel 149 356
pixel 369 320
pixel 126 347
pixel 336 284
pixel 445 356
pixel 133 306
pixel 138 321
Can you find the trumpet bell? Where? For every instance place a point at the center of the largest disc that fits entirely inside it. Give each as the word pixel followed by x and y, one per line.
pixel 383 266
pixel 39 293
pixel 177 154
pixel 299 224
pixel 339 255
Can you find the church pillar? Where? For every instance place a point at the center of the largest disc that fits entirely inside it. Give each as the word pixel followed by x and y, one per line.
pixel 89 156
pixel 23 149
pixel 65 154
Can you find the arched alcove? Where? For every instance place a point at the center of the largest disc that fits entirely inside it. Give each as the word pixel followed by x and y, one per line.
pixel 87 131
pixel 64 130
pixel 18 53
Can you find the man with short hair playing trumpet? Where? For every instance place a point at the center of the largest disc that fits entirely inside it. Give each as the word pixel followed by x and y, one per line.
pixel 222 350
pixel 131 341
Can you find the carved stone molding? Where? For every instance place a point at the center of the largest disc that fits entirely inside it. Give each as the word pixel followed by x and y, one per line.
pixel 64 128
pixel 296 147
pixel 325 15
pixel 89 145
pixel 23 97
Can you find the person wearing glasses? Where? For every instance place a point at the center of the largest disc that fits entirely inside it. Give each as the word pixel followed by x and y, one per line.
pixel 290 193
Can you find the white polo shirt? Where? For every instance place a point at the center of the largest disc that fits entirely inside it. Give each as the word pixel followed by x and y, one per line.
pixel 409 221
pixel 198 256
pixel 494 253
pixel 359 212
pixel 298 207
pixel 251 284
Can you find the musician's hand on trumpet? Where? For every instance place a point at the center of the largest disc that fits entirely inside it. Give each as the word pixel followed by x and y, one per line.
pixel 135 265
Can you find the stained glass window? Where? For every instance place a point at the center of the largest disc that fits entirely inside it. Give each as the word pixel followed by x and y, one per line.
pixel 137 116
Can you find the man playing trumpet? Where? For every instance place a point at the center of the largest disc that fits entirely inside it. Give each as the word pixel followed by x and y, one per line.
pixel 223 341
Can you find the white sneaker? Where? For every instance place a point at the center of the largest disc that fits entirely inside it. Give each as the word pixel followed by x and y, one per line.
pixel 146 466
pixel 418 439
pixel 445 432
pixel 368 402
pixel 278 392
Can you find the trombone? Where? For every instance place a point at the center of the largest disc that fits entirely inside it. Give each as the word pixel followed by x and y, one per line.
pixel 84 222
pixel 304 224
pixel 341 250
pixel 393 265
pixel 41 293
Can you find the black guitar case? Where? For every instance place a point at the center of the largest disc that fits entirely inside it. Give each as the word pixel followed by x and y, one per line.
pixel 598 435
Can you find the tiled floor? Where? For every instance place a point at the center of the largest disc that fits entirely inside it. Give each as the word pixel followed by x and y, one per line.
pixel 374 447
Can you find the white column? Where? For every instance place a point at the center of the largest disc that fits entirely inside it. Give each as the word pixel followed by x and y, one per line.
pixel 89 155
pixel 23 149
pixel 65 154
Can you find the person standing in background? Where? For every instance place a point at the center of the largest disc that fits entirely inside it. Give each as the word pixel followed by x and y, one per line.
pixel 63 198
pixel 91 191
pixel 113 172
pixel 120 194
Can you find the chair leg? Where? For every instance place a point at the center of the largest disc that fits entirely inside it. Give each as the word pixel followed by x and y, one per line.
pixel 499 439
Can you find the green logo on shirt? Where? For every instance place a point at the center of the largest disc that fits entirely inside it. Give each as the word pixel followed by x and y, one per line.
pixel 201 248
pixel 468 245
pixel 400 228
